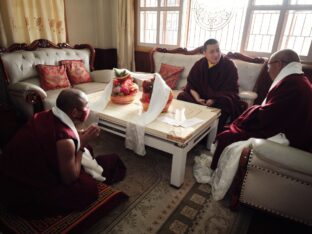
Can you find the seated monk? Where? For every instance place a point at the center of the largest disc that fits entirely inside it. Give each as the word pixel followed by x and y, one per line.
pixel 212 81
pixel 40 169
pixel 286 109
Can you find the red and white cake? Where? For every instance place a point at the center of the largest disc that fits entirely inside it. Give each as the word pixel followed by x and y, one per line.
pixel 124 89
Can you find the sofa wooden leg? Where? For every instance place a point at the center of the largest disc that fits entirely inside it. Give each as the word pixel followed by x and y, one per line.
pixel 239 179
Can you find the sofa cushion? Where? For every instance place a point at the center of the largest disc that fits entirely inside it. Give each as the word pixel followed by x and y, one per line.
pixel 247 74
pixel 21 65
pixel 50 101
pixel 91 87
pixel 52 77
pixel 187 61
pixel 170 74
pixel 76 71
pixel 104 76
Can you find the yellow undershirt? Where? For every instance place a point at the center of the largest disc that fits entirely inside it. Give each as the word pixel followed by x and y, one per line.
pixel 210 65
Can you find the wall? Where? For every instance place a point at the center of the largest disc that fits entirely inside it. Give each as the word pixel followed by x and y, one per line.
pixel 92 22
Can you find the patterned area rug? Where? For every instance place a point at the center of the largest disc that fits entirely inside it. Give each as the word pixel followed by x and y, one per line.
pixel 198 213
pixel 72 222
pixel 153 205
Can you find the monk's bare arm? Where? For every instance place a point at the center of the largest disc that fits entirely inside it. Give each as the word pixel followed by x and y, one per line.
pixel 69 160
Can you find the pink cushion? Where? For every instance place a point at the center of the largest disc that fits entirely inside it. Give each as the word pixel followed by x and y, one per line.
pixel 52 77
pixel 171 74
pixel 76 71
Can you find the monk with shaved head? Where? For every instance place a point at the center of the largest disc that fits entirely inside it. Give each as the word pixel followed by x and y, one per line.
pixel 41 168
pixel 286 109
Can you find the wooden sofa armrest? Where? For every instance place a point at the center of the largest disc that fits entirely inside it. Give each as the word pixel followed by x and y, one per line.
pixel 239 178
pixel 32 94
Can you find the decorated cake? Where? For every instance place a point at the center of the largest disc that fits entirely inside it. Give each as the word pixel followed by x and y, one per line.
pixel 124 89
pixel 147 94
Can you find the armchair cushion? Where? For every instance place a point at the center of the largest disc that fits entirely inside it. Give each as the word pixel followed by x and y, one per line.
pixel 278 179
pixel 171 74
pixel 284 157
pixel 76 71
pixel 52 77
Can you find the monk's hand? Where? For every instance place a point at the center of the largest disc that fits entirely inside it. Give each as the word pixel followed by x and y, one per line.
pixel 92 132
pixel 210 102
pixel 201 101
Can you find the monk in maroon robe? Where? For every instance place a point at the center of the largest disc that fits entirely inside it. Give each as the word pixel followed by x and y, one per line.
pixel 212 81
pixel 40 169
pixel 287 108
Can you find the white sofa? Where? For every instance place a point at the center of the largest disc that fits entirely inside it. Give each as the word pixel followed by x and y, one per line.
pixel 249 68
pixel 275 178
pixel 22 79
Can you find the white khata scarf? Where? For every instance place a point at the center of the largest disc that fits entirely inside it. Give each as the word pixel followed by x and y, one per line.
pixel 89 164
pixel 135 128
pixel 291 68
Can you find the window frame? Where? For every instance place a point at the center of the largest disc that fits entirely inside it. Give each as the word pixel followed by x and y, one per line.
pixel 159 8
pixel 283 8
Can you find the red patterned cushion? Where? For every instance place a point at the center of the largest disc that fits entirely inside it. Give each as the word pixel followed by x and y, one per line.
pixel 76 71
pixel 170 74
pixel 52 77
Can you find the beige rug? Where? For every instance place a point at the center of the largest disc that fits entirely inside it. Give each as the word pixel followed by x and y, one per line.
pixel 152 200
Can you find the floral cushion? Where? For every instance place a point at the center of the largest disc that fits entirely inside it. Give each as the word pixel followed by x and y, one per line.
pixel 171 74
pixel 76 71
pixel 52 77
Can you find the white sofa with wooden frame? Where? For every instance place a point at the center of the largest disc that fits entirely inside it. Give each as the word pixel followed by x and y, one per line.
pixel 18 66
pixel 249 69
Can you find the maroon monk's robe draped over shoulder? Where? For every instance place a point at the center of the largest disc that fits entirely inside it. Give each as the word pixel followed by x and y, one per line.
pixel 219 83
pixel 29 176
pixel 288 110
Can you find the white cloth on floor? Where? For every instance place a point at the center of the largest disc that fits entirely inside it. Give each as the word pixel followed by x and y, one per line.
pixel 223 176
pixel 89 164
pixel 135 130
pixel 201 169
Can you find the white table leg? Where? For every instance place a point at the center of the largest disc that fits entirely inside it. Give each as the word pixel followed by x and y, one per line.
pixel 212 134
pixel 178 167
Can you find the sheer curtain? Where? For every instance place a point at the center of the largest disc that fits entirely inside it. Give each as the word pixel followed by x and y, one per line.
pixel 22 21
pixel 125 34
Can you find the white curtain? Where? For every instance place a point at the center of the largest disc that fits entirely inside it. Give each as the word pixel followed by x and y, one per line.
pixel 23 21
pixel 125 34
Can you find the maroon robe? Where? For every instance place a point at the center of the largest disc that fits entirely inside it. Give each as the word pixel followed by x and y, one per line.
pixel 30 179
pixel 288 110
pixel 218 83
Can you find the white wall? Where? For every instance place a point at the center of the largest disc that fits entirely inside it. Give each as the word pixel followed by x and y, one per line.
pixel 91 22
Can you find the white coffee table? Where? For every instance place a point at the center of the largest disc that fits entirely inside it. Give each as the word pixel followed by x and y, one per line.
pixel 177 141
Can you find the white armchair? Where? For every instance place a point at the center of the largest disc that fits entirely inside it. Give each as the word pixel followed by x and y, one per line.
pixel 278 179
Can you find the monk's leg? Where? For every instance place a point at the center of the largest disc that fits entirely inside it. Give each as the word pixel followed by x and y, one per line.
pixel 114 168
pixel 74 197
pixel 224 139
pixel 222 121
pixel 187 97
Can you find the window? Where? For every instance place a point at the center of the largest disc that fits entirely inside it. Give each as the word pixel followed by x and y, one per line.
pixel 160 21
pixel 254 27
